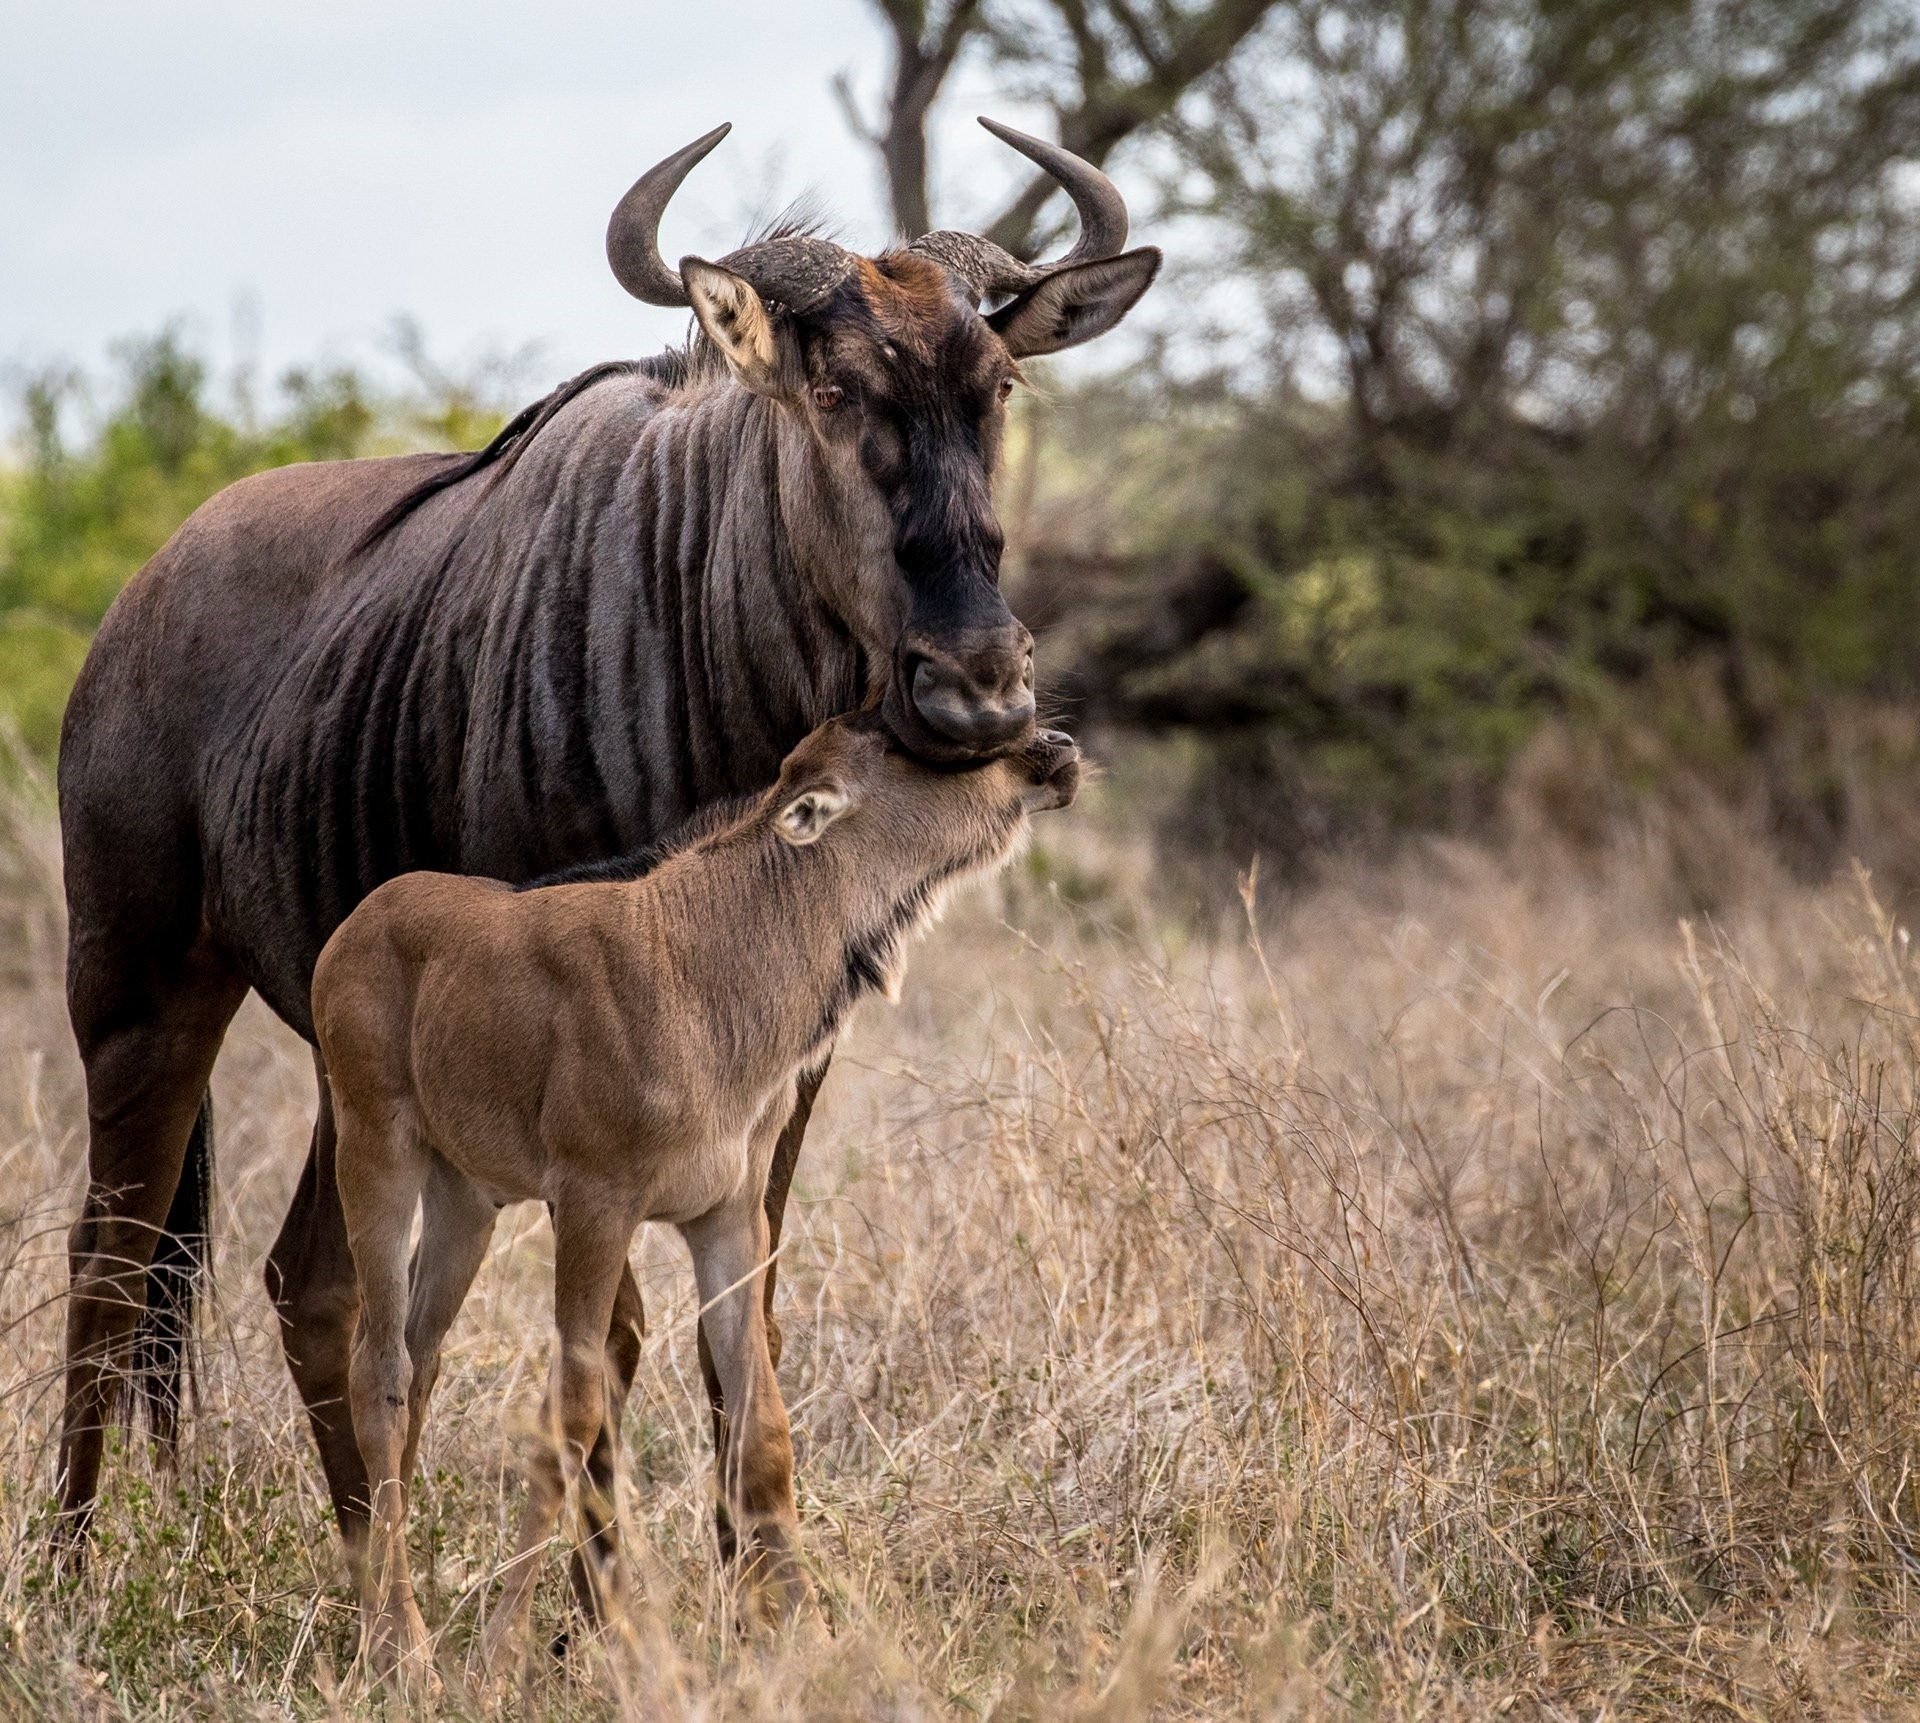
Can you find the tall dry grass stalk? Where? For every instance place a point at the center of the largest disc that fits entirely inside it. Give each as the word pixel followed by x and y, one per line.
pixel 1465 1290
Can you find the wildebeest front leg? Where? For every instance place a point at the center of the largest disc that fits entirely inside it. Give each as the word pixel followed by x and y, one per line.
pixel 786 1155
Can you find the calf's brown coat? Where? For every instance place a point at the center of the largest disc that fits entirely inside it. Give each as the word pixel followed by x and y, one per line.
pixel 623 1049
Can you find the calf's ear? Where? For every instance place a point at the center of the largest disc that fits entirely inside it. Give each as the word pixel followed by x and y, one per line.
pixel 1075 304
pixel 807 815
pixel 736 321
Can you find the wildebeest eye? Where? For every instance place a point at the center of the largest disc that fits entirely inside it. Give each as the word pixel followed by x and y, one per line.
pixel 1006 387
pixel 827 396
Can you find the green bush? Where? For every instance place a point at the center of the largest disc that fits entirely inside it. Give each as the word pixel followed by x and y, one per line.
pixel 39 658
pixel 1579 362
pixel 81 512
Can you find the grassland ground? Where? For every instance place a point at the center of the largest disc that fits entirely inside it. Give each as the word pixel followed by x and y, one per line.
pixel 1482 1291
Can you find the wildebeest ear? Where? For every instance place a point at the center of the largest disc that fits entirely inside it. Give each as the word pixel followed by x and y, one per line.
pixel 1076 303
pixel 809 814
pixel 736 321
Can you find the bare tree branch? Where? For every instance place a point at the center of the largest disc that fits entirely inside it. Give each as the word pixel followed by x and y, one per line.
pixel 1177 51
pixel 926 43
pixel 1108 68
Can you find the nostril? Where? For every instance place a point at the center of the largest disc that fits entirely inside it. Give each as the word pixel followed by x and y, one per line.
pixel 918 673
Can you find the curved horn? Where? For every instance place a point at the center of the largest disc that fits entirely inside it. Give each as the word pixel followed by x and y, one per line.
pixel 989 268
pixel 1101 208
pixel 633 232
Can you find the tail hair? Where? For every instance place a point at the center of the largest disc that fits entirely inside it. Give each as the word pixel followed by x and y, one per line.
pixel 164 1353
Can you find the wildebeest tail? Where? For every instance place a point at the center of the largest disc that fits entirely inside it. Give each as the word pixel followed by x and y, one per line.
pixel 163 1343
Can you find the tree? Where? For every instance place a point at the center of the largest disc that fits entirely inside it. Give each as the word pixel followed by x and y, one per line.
pixel 1593 374
pixel 1109 69
pixel 926 45
pixel 1560 212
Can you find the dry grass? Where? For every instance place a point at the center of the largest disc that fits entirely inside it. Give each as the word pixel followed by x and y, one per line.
pixel 1494 1295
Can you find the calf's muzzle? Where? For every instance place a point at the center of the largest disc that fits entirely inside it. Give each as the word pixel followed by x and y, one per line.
pixel 1052 761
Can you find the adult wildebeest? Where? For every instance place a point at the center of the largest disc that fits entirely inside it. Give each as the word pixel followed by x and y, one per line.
pixel 623 1043
pixel 634 601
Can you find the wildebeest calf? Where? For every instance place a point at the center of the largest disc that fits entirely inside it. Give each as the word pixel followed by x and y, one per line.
pixel 625 1047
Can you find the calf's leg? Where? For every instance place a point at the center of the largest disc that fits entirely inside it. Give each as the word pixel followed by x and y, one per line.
pixel 729 1247
pixel 456 1225
pixel 599 1547
pixel 383 1167
pixel 590 1259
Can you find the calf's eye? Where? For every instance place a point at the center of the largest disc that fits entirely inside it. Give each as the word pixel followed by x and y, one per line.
pixel 827 396
pixel 1006 387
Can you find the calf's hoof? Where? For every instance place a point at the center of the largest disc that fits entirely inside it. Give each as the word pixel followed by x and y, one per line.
pixel 776 1579
pixel 395 1650
pixel 496 1663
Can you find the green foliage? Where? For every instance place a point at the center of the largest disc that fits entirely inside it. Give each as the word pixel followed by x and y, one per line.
pixel 39 658
pixel 1592 352
pixel 98 490
pixel 79 520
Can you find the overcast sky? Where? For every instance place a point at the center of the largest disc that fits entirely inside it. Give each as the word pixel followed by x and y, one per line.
pixel 287 177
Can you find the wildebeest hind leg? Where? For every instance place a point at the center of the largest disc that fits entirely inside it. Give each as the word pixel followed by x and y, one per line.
pixel 309 1275
pixel 148 1035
